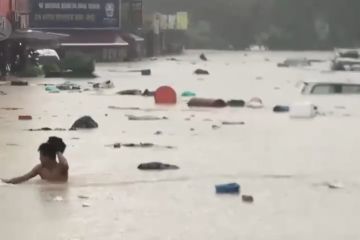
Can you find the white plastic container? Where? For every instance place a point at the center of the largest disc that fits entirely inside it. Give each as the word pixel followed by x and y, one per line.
pixel 255 103
pixel 303 110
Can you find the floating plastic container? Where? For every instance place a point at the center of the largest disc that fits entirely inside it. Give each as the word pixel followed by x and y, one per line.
pixel 188 94
pixel 230 188
pixel 146 72
pixel 236 103
pixel 303 110
pixel 281 109
pixel 165 95
pixel 52 89
pixel 204 102
pixel 255 103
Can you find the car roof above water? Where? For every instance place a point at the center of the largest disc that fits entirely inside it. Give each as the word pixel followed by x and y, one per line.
pixel 336 87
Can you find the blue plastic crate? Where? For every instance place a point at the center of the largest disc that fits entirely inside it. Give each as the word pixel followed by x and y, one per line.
pixel 230 188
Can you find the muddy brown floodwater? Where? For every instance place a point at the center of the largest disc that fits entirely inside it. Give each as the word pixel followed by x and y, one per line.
pixel 281 162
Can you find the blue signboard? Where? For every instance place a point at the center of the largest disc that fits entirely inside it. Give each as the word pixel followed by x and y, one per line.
pixel 69 14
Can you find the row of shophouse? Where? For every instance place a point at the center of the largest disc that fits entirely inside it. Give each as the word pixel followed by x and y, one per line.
pixel 107 29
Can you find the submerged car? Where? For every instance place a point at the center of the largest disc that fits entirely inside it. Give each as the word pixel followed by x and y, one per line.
pixel 346 60
pixel 323 88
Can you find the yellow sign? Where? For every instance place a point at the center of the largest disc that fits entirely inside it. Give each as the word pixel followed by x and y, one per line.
pixel 182 21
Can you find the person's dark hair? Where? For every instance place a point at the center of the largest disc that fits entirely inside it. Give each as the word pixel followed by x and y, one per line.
pixel 58 143
pixel 48 150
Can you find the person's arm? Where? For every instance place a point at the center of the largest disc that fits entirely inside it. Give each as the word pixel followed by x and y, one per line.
pixel 33 173
pixel 62 161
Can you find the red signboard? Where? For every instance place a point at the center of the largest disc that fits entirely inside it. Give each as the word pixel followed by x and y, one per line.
pixel 5 8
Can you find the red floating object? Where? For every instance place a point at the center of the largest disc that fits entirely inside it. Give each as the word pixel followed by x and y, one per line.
pixel 165 95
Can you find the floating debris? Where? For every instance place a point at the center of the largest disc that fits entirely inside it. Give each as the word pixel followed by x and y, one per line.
pixel 85 122
pixel 85 205
pixel 124 108
pixel 140 145
pixel 130 92
pixel 25 117
pixel 145 118
pixel 203 57
pixel 46 129
pixel 146 72
pixel 157 166
pixel 334 185
pixel 58 199
pixel 247 198
pixel 233 123
pixel 255 103
pixel 215 127
pixel 236 103
pixel 230 188
pixel 12 144
pixel 105 85
pixel 83 197
pixel 10 108
pixel 201 72
pixel 19 83
pixel 281 109
pixel 205 102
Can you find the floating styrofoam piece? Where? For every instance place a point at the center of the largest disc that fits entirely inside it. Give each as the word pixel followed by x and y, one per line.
pixel 303 110
pixel 58 199
pixel 255 103
pixel 105 85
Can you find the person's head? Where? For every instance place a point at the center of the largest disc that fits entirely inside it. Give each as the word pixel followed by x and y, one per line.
pixel 58 143
pixel 47 153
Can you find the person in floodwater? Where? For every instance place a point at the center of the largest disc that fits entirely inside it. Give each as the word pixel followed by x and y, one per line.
pixel 49 169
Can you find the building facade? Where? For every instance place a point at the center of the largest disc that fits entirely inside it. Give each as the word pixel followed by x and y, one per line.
pixel 96 27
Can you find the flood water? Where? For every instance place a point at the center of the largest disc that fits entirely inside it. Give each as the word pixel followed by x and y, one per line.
pixel 282 162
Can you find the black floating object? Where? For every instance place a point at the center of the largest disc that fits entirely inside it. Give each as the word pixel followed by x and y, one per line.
pixel 130 92
pixel 44 129
pixel 247 198
pixel 281 109
pixel 203 57
pixel 282 65
pixel 205 102
pixel 146 72
pixel 236 103
pixel 19 83
pixel 157 166
pixel 148 93
pixel 201 72
pixel 85 122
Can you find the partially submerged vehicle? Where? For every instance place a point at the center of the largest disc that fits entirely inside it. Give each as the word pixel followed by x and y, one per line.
pixel 257 48
pixel 325 88
pixel 48 56
pixel 346 60
pixel 295 62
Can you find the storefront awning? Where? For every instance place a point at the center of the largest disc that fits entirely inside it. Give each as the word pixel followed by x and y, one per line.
pixel 93 38
pixel 36 35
